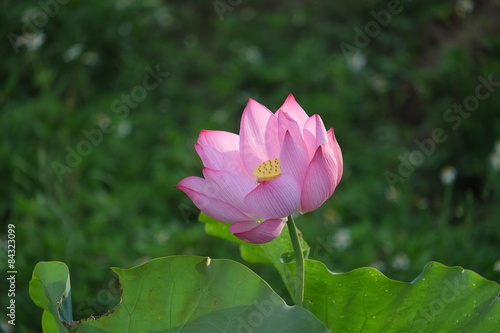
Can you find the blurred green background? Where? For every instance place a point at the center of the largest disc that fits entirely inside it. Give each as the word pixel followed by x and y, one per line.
pixel 76 71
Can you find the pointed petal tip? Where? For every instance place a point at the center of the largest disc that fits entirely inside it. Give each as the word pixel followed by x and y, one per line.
pixel 182 183
pixel 290 99
pixel 202 136
pixel 252 101
pixel 293 108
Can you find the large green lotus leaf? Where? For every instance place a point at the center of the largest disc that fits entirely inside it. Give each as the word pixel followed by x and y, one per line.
pixel 441 299
pixel 277 252
pixel 195 294
pixel 50 290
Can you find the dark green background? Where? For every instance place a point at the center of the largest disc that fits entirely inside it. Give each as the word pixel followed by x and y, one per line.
pixel 118 207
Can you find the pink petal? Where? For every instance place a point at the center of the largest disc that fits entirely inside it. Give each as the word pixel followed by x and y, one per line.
pixel 292 108
pixel 337 153
pixel 293 159
pixel 219 140
pixel 205 196
pixel 258 130
pixel 230 187
pixel 275 198
pixel 287 124
pixel 320 179
pixel 314 134
pixel 257 232
pixel 229 161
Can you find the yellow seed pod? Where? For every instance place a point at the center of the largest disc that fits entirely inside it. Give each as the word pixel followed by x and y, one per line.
pixel 268 170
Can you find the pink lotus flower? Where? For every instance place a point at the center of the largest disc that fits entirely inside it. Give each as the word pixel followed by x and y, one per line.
pixel 280 163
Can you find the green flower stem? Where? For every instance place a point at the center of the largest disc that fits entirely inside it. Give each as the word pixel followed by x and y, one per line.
pixel 299 262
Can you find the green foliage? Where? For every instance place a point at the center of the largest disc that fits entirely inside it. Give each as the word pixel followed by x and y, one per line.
pixel 50 290
pixel 189 294
pixel 183 293
pixel 440 299
pixel 118 206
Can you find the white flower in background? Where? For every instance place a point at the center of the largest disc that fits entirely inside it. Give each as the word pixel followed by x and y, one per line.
pixel 464 7
pixel 32 41
pixel 357 62
pixel 73 52
pixel 495 157
pixel 495 161
pixel 496 147
pixel 124 129
pixel 496 266
pixel 392 194
pixel 401 262
pixel 342 239
pixel 448 175
pixel 36 41
pixel 252 54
